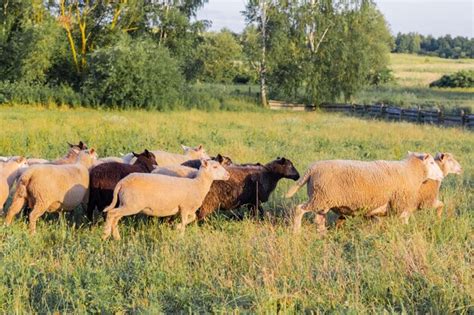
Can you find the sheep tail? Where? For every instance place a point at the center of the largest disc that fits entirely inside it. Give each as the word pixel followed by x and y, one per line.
pixel 303 180
pixel 114 199
pixel 22 184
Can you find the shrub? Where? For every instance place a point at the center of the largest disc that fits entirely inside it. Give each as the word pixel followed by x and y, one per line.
pixel 36 93
pixel 133 73
pixel 461 79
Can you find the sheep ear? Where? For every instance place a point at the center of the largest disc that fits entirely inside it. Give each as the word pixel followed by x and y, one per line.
pixel 204 163
pixel 440 156
pixel 69 144
pixel 425 156
pixel 199 148
pixel 134 154
pixel 185 148
pixel 410 153
pixel 81 145
pixel 92 151
pixel 219 158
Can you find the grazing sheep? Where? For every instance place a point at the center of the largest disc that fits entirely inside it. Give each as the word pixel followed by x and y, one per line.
pixel 48 188
pixel 347 186
pixel 161 196
pixel 428 195
pixel 104 177
pixel 8 175
pixel 223 160
pixel 249 185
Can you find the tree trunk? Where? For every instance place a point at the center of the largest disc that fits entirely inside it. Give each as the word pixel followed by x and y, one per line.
pixel 263 66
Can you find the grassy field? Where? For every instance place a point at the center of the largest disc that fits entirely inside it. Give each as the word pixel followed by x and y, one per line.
pixel 240 266
pixel 413 74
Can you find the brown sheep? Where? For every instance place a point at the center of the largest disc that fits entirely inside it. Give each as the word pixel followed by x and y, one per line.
pixel 248 185
pixel 428 196
pixel 347 186
pixel 104 177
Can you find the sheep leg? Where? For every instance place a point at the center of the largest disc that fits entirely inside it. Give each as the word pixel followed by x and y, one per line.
pixel 405 216
pixel 38 211
pixel 15 208
pixel 320 221
pixel 186 218
pixel 439 205
pixel 298 214
pixel 382 210
pixel 113 217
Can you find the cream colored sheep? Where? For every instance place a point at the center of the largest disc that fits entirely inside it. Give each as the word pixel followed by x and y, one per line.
pixel 48 188
pixel 428 196
pixel 8 175
pixel 176 171
pixel 166 158
pixel 372 187
pixel 69 158
pixel 161 196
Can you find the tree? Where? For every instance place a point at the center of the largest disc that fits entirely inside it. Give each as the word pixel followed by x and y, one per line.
pixel 219 57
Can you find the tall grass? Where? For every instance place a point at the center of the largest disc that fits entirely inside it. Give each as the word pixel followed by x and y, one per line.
pixel 247 266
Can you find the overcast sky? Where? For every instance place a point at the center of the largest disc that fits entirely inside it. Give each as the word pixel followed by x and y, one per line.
pixel 435 17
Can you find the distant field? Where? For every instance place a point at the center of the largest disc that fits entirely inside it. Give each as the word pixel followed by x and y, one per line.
pixel 227 266
pixel 413 75
pixel 419 71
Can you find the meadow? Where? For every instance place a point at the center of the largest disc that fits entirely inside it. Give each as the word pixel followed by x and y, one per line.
pixel 413 74
pixel 225 265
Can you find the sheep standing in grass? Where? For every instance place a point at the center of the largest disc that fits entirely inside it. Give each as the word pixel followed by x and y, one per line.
pixel 428 196
pixel 9 171
pixel 48 188
pixel 104 178
pixel 161 196
pixel 373 187
pixel 249 185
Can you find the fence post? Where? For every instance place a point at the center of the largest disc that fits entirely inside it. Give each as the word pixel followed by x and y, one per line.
pixel 463 118
pixel 418 114
pixel 440 117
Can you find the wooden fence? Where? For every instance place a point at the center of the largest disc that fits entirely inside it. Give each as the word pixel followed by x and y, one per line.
pixel 392 113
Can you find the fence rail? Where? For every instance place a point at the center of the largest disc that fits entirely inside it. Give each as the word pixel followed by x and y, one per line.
pixel 392 113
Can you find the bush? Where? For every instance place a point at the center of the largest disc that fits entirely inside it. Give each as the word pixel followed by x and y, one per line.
pixel 133 73
pixel 36 93
pixel 461 79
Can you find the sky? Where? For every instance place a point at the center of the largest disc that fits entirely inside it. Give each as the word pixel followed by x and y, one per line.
pixel 435 17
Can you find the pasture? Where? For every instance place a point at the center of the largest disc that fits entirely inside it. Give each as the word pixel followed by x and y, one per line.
pixel 252 265
pixel 413 74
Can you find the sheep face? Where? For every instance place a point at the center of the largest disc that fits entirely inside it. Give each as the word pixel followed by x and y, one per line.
pixel 146 158
pixel 223 160
pixel 285 168
pixel 195 153
pixel 216 170
pixel 79 147
pixel 448 164
pixel 433 171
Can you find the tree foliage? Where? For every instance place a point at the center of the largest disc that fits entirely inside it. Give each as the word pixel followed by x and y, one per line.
pixel 444 46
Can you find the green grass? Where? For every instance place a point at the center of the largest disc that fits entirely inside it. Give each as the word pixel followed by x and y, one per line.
pixel 413 74
pixel 246 266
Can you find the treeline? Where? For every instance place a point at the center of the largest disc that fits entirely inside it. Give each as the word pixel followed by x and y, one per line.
pixel 156 54
pixel 444 47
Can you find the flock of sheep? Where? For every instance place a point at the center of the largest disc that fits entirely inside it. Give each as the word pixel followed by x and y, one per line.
pixel 193 185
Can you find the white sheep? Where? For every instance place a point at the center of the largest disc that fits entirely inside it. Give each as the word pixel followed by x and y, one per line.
pixel 9 171
pixel 161 196
pixel 372 187
pixel 176 170
pixel 428 195
pixel 48 188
